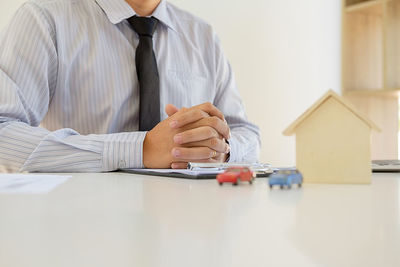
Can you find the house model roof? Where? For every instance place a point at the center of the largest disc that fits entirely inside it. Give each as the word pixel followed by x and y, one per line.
pixel 330 94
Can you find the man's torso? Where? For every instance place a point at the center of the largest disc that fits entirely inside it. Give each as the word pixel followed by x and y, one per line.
pixel 97 87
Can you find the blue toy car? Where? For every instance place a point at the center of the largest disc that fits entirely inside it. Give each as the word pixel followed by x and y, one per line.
pixel 286 177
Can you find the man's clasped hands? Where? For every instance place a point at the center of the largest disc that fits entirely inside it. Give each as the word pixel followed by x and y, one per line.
pixel 196 134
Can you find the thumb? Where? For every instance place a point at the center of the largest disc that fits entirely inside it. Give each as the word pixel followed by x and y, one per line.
pixel 171 110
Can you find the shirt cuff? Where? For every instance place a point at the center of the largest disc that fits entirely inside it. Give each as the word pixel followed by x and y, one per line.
pixel 235 150
pixel 123 150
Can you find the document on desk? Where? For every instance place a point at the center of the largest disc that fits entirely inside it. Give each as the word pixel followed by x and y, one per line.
pixel 183 173
pixel 29 183
pixel 204 170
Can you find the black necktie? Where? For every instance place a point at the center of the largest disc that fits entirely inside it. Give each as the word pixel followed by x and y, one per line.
pixel 146 68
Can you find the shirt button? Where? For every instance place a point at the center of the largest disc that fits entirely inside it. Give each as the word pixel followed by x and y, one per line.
pixel 121 164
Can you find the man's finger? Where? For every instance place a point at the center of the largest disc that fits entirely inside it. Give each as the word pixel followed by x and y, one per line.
pixel 189 116
pixel 195 135
pixel 171 110
pixel 211 110
pixel 196 113
pixel 179 165
pixel 214 143
pixel 194 153
pixel 220 126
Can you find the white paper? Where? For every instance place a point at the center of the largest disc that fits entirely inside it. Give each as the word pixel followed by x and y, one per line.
pixel 30 184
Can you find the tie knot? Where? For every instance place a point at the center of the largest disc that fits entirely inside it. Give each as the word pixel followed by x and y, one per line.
pixel 143 26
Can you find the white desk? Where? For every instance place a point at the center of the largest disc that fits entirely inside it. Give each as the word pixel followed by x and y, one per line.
pixel 119 219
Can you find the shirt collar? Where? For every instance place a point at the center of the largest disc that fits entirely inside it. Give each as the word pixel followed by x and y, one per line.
pixel 119 10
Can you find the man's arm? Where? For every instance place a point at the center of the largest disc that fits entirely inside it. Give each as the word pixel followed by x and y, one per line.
pixel 28 77
pixel 245 136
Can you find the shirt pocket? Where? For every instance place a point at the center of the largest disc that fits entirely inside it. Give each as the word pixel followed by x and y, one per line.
pixel 187 88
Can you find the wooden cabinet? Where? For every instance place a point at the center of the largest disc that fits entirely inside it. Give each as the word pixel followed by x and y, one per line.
pixel 371 67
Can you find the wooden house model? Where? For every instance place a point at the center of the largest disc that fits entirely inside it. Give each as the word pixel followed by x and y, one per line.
pixel 333 142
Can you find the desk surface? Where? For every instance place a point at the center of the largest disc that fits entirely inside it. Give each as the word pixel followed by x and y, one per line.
pixel 119 219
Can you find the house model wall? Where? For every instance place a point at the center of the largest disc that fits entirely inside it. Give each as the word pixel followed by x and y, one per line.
pixel 333 142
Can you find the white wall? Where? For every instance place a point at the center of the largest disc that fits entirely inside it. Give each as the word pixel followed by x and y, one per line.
pixel 285 53
pixel 7 9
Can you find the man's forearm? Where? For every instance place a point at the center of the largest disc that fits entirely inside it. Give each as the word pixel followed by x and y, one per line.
pixel 34 149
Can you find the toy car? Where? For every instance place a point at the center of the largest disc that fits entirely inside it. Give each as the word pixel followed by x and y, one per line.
pixel 286 177
pixel 235 174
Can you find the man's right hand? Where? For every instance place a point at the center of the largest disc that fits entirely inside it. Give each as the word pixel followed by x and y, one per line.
pixel 203 122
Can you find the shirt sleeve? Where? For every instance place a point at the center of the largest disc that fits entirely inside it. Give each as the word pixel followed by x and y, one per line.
pixel 28 77
pixel 245 141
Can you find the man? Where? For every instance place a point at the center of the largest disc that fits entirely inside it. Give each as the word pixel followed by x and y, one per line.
pixel 84 85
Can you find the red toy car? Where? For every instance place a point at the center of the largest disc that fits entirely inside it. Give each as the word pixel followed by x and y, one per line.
pixel 235 174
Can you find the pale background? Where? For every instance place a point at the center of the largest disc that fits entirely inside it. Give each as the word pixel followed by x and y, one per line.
pixel 285 53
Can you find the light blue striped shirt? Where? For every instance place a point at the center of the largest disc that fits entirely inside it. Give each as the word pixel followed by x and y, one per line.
pixel 69 90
